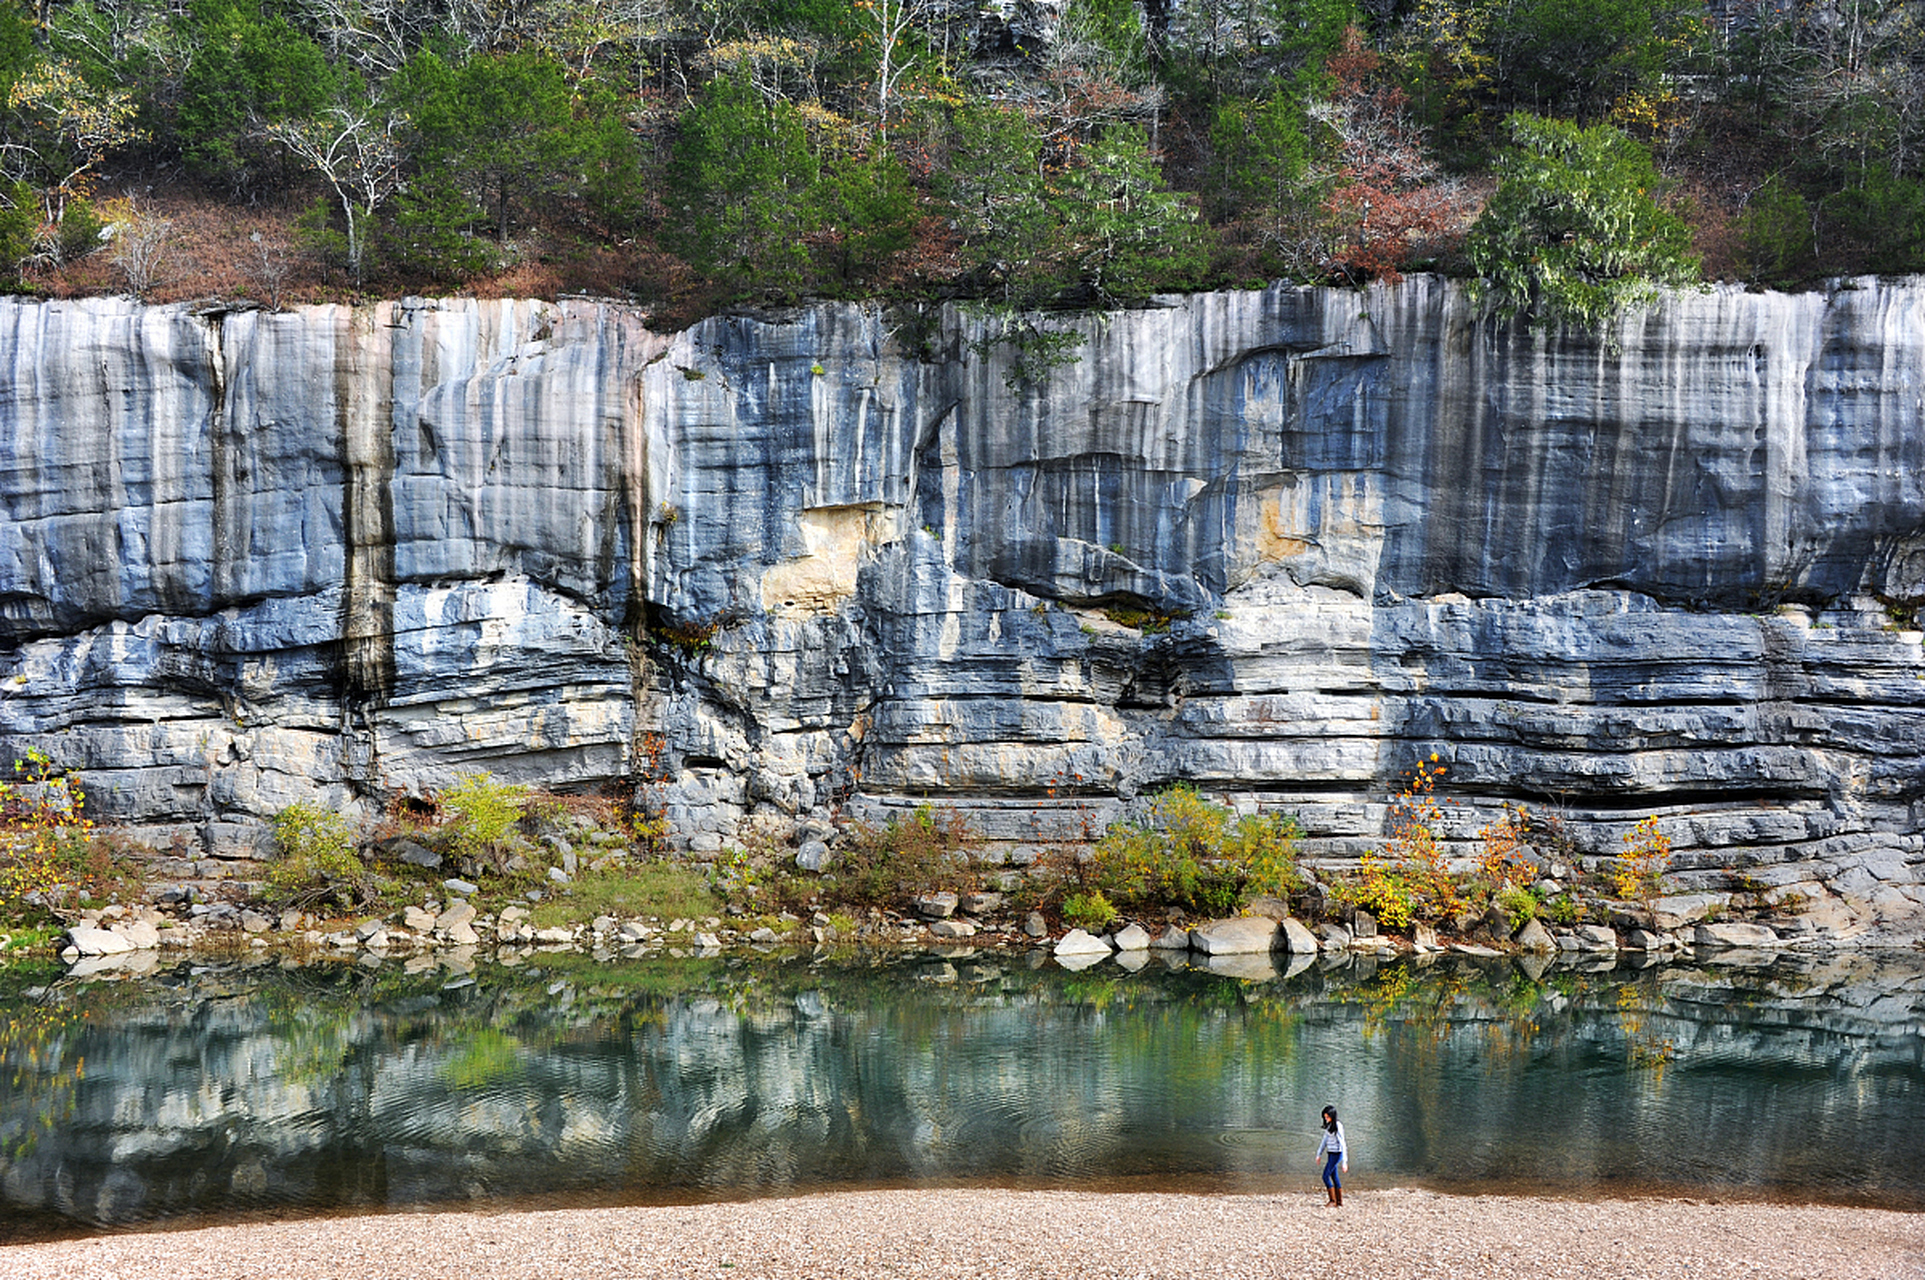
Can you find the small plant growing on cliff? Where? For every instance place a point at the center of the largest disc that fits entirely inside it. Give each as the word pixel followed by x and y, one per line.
pixel 318 863
pixel 691 638
pixel 485 811
pixel 1151 622
pixel 1638 872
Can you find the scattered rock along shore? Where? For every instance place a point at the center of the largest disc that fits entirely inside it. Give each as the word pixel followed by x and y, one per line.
pixel 1388 1234
pixel 455 934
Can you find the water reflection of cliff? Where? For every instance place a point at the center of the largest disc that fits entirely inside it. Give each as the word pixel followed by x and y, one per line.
pixel 226 1090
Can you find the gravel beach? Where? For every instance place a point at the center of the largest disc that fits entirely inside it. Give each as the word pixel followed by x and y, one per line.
pixel 1383 1235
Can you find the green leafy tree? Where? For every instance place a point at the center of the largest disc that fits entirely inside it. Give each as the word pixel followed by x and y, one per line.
pixel 134 45
pixel 1236 47
pixel 1777 230
pixel 61 128
pixel 432 230
pixel 1262 154
pixel 1878 217
pixel 1856 90
pixel 1126 234
pixel 1574 232
pixel 19 215
pixel 993 184
pixel 16 45
pixel 871 211
pixel 248 73
pixel 606 164
pixel 501 127
pixel 1469 62
pixel 18 207
pixel 1572 56
pixel 1263 181
pixel 745 190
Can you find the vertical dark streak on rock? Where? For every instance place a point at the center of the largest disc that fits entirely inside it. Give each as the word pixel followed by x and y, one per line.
pixel 367 516
pixel 635 506
pixel 219 424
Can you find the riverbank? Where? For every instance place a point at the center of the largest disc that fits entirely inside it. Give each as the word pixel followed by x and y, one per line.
pixel 930 1234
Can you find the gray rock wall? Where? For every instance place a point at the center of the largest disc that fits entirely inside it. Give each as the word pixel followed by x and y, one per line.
pixel 344 553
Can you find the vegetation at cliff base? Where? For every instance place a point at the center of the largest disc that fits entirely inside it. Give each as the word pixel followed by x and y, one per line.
pixel 1069 154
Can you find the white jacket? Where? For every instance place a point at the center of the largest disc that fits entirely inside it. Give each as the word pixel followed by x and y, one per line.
pixel 1334 1142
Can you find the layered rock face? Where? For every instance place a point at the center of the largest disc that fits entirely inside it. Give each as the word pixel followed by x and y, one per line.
pixel 1282 544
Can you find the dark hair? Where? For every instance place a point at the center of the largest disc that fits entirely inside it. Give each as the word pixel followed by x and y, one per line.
pixel 1330 1119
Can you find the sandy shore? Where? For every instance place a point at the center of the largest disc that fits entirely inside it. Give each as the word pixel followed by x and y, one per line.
pixel 1383 1235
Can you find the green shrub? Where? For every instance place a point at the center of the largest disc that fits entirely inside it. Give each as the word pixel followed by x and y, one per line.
pixel 1264 847
pixel 1518 903
pixel 1088 909
pixel 1410 877
pixel 1383 889
pixel 18 219
pixel 1186 852
pixel 901 858
pixel 318 863
pixel 485 812
pixel 1564 910
pixel 79 233
pixel 1777 234
pixel 1880 216
pixel 1574 232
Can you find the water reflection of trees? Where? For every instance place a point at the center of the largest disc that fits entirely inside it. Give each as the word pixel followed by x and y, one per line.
pixel 343 1085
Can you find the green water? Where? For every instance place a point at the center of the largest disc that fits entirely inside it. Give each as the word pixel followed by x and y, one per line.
pixel 216 1092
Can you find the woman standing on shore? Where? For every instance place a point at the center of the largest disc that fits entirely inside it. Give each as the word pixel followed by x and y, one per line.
pixel 1335 1156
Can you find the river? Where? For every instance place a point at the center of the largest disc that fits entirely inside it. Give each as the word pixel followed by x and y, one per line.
pixel 208 1091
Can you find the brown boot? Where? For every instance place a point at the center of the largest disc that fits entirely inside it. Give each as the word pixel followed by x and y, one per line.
pixel 1329 1198
pixel 1337 1197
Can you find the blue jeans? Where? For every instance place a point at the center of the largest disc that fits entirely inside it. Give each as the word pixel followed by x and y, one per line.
pixel 1330 1163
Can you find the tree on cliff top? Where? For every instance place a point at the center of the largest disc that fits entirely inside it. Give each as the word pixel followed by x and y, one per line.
pixel 745 190
pixel 1574 233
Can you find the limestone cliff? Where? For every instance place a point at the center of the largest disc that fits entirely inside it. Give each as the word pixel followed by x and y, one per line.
pixel 1279 543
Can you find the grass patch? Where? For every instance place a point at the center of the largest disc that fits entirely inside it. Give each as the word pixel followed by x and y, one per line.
pixel 662 977
pixel 1151 622
pixel 665 890
pixel 489 1056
